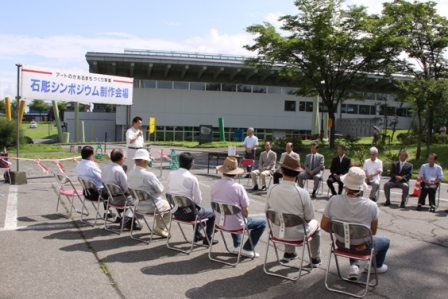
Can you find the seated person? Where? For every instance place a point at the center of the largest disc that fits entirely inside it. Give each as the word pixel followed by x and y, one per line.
pixel 140 178
pixel 182 183
pixel 314 163
pixel 339 166
pixel 373 168
pixel 114 173
pixel 400 174
pixel 431 175
pixel 266 166
pixel 353 208
pixel 287 197
pixel 226 190
pixel 87 169
pixel 289 151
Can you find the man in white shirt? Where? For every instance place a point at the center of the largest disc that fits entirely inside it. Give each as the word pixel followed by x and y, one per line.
pixel 182 183
pixel 140 178
pixel 289 151
pixel 373 168
pixel 250 145
pixel 134 141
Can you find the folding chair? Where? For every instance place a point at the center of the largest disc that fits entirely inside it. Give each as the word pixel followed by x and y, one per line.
pixel 67 189
pixel 246 163
pixel 6 166
pixel 88 185
pixel 281 222
pixel 142 195
pixel 321 182
pixel 350 235
pixel 439 186
pixel 115 191
pixel 226 210
pixel 183 202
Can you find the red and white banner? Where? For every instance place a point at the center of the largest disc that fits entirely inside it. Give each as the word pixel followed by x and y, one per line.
pixel 69 86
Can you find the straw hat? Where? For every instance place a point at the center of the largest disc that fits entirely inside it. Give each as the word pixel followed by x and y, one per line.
pixel 230 166
pixel 355 179
pixel 141 154
pixel 291 163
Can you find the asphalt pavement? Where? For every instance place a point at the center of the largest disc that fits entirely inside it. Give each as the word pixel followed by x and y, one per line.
pixel 45 255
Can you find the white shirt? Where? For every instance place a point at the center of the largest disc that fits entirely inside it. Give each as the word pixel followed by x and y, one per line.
pixel 250 141
pixel 373 166
pixel 181 182
pixel 130 134
pixel 89 170
pixel 141 179
pixel 114 173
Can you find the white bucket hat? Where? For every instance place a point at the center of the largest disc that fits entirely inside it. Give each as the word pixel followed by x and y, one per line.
pixel 141 154
pixel 355 179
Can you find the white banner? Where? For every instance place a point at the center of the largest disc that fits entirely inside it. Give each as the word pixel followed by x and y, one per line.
pixel 68 86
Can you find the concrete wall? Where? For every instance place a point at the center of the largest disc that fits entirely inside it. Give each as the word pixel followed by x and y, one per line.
pixel 101 122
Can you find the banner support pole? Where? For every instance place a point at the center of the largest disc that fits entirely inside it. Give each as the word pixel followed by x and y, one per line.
pixel 18 112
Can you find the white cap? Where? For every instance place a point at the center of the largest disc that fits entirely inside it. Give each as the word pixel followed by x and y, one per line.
pixel 141 154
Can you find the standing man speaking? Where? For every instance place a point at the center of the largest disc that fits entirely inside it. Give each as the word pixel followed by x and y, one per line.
pixel 250 145
pixel 134 141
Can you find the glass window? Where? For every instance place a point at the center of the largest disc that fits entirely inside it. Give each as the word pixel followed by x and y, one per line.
pixel 244 88
pixel 136 83
pixel 181 85
pixel 372 110
pixel 352 109
pixel 391 110
pixel 343 108
pixel 309 106
pixel 274 90
pixel 213 86
pixel 290 105
pixel 197 86
pixel 228 87
pixel 401 111
pixel 369 95
pixel 165 84
pixel 302 106
pixel 259 89
pixel 364 109
pixel 149 83
pixel 289 90
pixel 323 108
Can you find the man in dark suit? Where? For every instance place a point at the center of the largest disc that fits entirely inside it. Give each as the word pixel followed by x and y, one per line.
pixel 339 166
pixel 314 163
pixel 400 175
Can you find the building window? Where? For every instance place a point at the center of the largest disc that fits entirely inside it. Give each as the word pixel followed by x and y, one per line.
pixel 343 108
pixel 181 85
pixel 259 89
pixel 228 87
pixel 289 91
pixel 165 84
pixel 197 86
pixel 364 109
pixel 244 88
pixel 323 107
pixel 302 106
pixel 352 109
pixel 274 90
pixel 372 110
pixel 309 106
pixel 149 83
pixel 290 105
pixel 213 86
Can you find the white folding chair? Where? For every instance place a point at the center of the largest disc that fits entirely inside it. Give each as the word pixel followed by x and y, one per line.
pixel 115 191
pixel 88 186
pixel 67 189
pixel 350 235
pixel 183 202
pixel 142 195
pixel 225 210
pixel 278 223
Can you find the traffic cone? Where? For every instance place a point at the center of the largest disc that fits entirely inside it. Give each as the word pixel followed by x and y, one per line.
pixel 417 188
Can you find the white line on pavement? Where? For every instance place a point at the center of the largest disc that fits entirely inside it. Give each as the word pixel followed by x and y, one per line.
pixel 11 209
pixel 40 227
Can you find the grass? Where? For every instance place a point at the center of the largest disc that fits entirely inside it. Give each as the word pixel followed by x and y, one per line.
pixel 44 130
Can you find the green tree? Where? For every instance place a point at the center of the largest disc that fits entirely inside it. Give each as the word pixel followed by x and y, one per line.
pixel 2 105
pixel 8 134
pixel 109 107
pixel 62 107
pixel 423 40
pixel 39 106
pixel 328 51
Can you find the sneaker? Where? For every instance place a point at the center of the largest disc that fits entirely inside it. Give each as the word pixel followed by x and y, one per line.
pixel 289 257
pixel 263 188
pixel 248 253
pixel 353 273
pixel 161 232
pixel 316 262
pixel 206 243
pixel 432 209
pixel 380 270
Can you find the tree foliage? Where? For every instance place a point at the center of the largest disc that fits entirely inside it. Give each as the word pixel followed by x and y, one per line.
pixel 328 51
pixel 8 134
pixel 39 106
pixel 2 105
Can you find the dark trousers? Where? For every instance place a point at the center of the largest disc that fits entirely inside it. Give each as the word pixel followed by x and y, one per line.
pixel 249 156
pixel 430 191
pixel 331 180
pixel 203 213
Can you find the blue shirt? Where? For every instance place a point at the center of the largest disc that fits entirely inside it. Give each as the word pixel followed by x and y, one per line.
pixel 431 173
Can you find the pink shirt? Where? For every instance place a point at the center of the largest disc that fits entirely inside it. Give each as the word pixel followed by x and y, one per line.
pixel 226 190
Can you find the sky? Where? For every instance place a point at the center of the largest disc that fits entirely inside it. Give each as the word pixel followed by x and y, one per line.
pixel 58 34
